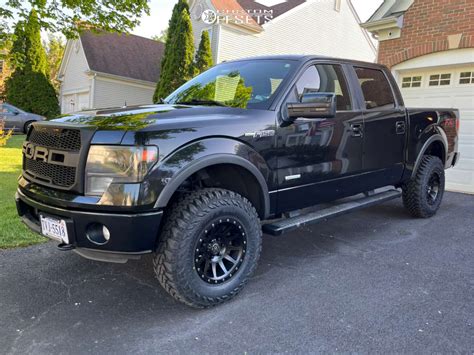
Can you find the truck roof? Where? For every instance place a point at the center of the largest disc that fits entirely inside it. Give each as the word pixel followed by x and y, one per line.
pixel 303 58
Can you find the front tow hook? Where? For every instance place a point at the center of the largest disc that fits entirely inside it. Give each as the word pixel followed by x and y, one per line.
pixel 66 247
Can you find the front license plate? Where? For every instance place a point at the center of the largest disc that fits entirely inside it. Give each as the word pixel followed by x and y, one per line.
pixel 54 228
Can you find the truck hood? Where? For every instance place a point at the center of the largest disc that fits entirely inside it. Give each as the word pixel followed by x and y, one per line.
pixel 151 117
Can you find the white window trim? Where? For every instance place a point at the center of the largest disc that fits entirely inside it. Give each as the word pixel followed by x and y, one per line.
pixel 428 80
pixel 412 81
pixel 471 77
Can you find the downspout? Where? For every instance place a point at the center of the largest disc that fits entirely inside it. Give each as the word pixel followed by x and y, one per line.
pixel 92 93
pixel 218 44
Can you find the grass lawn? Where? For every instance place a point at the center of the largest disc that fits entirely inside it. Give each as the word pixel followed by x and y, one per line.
pixel 13 233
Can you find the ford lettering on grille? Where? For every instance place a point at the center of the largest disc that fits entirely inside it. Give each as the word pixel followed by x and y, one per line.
pixel 44 154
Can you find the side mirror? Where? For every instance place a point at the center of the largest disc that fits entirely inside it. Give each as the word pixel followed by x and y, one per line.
pixel 16 112
pixel 313 105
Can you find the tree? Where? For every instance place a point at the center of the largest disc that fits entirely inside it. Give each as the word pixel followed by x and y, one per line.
pixel 54 53
pixel 203 59
pixel 66 16
pixel 162 37
pixel 29 87
pixel 164 87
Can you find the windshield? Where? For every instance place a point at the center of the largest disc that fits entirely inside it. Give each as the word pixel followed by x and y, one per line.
pixel 245 84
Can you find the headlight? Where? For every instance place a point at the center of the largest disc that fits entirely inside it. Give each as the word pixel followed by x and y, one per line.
pixel 117 164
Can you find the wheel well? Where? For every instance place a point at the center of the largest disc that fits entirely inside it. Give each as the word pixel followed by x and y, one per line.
pixel 26 125
pixel 227 176
pixel 437 149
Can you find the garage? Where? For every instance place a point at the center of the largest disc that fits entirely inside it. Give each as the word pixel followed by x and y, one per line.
pixel 75 102
pixel 450 86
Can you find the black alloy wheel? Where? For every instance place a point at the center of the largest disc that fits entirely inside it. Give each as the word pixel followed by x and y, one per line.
pixel 220 250
pixel 432 188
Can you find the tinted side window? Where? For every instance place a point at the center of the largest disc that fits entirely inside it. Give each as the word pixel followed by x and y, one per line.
pixel 325 78
pixel 5 108
pixel 375 87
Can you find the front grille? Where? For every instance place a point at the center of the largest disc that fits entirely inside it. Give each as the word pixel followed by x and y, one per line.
pixel 63 147
pixel 58 138
pixel 59 175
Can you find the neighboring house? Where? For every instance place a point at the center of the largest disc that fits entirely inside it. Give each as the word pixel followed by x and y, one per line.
pixel 108 70
pixel 324 27
pixel 429 45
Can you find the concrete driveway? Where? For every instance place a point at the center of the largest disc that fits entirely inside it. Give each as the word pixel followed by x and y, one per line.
pixel 376 280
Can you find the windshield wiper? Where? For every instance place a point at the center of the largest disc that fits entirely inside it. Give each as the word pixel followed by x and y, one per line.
pixel 201 102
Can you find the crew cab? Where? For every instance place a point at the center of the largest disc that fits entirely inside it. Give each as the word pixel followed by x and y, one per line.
pixel 240 150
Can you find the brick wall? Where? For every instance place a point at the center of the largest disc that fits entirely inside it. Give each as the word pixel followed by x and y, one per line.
pixel 426 27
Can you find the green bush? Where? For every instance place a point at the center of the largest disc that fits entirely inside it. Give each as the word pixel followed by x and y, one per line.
pixel 29 87
pixel 32 92
pixel 177 61
pixel 203 59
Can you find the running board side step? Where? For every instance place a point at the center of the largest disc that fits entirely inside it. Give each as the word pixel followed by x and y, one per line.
pixel 288 224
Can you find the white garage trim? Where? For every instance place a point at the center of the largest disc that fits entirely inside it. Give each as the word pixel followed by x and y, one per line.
pixel 447 58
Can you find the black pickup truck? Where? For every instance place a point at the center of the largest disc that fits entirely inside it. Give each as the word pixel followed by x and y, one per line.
pixel 233 153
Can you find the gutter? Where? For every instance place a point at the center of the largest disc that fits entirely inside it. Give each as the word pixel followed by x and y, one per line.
pixel 121 78
pixel 388 22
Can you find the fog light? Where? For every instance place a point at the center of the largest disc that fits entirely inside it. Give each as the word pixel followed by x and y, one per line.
pixel 98 233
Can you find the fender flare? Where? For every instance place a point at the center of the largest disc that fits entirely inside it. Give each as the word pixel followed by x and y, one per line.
pixel 424 148
pixel 209 160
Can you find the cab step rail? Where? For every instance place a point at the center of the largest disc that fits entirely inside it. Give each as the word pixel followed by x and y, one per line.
pixel 285 225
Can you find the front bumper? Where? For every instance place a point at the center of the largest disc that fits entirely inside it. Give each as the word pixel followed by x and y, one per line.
pixel 131 234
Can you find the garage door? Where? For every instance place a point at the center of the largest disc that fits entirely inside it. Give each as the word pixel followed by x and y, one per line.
pixel 447 87
pixel 75 102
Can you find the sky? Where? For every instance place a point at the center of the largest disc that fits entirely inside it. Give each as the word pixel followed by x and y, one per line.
pixel 160 12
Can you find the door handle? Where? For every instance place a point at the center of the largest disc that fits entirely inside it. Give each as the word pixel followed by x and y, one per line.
pixel 400 127
pixel 356 130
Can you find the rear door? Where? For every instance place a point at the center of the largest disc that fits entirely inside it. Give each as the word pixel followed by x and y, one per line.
pixel 319 158
pixel 385 128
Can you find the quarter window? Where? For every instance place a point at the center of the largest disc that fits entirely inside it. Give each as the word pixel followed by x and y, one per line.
pixel 440 80
pixel 376 89
pixel 411 82
pixel 466 77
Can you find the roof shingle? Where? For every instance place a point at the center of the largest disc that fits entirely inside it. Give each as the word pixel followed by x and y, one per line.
pixel 123 55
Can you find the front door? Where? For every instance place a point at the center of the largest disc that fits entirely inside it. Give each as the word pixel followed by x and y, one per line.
pixel 385 129
pixel 318 159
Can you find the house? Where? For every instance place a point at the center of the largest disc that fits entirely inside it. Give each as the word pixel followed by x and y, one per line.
pixel 244 28
pixel 102 70
pixel 429 46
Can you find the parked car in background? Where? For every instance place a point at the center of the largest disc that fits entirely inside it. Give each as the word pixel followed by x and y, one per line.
pixel 17 119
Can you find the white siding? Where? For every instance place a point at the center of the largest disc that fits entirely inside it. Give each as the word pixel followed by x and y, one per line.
pixel 311 28
pixel 76 83
pixel 116 93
